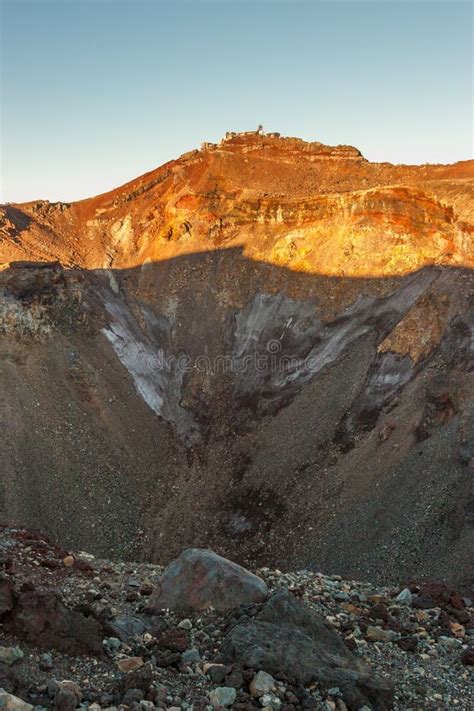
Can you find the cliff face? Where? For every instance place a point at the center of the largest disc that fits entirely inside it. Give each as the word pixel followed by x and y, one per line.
pixel 264 346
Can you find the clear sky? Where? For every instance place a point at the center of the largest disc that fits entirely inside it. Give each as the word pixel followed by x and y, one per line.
pixel 96 92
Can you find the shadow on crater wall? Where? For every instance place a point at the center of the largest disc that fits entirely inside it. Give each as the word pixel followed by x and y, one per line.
pixel 145 411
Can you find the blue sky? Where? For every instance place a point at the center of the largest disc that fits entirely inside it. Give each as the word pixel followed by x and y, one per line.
pixel 96 92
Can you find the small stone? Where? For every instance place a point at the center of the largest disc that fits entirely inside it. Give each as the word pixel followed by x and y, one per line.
pixel 132 596
pixel 112 644
pixel 132 697
pixel 457 629
pixel 68 561
pixel 421 615
pixel 166 658
pixel 46 662
pixel 72 686
pixel 138 678
pixel 467 657
pixel 185 624
pixel 65 700
pixel 234 679
pixel 408 644
pixel 174 639
pixel 68 695
pixel 130 664
pixel 376 598
pixel 261 684
pixel 218 672
pixel 404 597
pixel 379 611
pixel 271 701
pixel 222 696
pixel 191 656
pixel 146 589
pixel 10 655
pixel 377 634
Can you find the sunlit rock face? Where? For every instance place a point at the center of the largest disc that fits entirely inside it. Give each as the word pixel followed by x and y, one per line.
pixel 312 208
pixel 264 347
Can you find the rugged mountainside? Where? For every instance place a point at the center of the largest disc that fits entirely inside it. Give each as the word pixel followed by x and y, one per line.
pixel 265 346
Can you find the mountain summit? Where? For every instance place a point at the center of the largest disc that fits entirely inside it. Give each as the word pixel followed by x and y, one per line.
pixel 306 206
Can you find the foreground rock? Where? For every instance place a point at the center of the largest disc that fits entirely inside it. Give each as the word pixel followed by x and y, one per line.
pixel 40 618
pixel 288 637
pixel 201 579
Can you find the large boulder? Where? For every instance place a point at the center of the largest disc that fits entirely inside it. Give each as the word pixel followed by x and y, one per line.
pixel 201 579
pixel 288 637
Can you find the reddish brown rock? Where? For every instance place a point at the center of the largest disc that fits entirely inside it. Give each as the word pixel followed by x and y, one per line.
pixel 175 639
pixel 408 644
pixel 467 657
pixel 68 695
pixel 130 664
pixel 139 678
pixel 433 593
pixel 41 619
pixel 379 611
pixel 201 579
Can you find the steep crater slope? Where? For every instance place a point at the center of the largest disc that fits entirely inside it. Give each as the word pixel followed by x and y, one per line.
pixel 265 347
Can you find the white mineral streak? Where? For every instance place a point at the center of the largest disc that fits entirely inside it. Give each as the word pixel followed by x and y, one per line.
pixel 157 376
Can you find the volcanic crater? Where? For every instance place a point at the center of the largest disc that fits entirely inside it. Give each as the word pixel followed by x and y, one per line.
pixel 264 347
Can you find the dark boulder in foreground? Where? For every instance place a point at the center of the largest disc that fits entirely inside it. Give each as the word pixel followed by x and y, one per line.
pixel 201 579
pixel 40 618
pixel 287 637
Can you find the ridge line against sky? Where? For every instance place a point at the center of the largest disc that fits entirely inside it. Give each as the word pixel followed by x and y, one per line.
pixel 98 92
